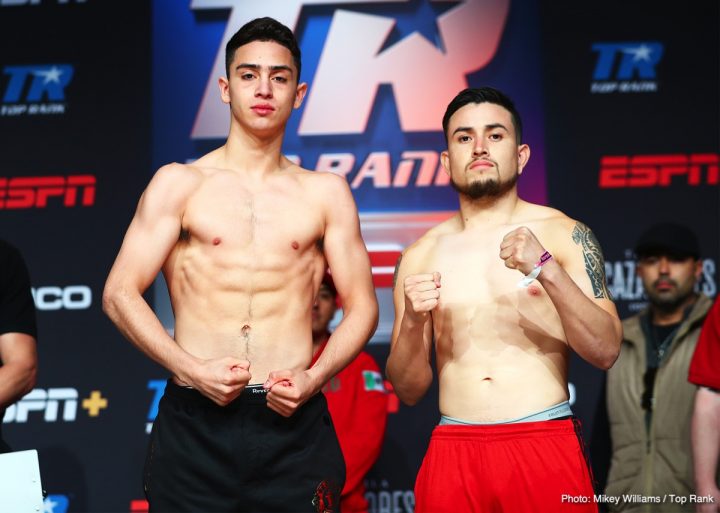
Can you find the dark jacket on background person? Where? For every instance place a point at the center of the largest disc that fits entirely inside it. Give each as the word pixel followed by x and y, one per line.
pixel 653 459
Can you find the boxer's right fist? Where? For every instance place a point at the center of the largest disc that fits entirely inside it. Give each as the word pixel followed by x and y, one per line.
pixel 221 379
pixel 422 292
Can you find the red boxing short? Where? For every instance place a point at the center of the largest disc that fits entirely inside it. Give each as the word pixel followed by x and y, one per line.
pixel 510 468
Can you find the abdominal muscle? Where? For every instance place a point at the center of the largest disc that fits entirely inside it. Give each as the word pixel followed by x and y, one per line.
pixel 255 314
pixel 510 368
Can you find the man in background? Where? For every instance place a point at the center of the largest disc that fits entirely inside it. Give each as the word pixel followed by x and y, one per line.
pixel 357 401
pixel 649 399
pixel 18 331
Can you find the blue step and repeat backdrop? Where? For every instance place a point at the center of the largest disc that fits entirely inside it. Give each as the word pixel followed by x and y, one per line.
pixel 620 102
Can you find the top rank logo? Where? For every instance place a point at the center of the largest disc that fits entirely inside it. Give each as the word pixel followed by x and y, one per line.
pixel 354 44
pixel 35 89
pixel 626 67
pixel 372 113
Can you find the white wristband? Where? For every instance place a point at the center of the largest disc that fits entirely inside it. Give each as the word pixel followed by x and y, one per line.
pixel 527 280
pixel 532 276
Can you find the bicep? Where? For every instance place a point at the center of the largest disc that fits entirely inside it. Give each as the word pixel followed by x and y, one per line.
pixel 144 249
pixel 153 231
pixel 585 263
pixel 344 248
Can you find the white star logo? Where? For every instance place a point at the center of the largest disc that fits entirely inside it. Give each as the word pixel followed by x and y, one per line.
pixel 51 75
pixel 640 53
pixel 49 506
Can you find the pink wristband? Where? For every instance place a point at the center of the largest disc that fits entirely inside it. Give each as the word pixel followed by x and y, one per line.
pixel 527 280
pixel 543 258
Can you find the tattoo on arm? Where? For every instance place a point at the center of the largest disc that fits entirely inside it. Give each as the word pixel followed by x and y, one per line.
pixel 397 268
pixel 594 261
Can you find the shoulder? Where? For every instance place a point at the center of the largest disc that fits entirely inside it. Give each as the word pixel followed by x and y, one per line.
pixel 174 174
pixel 419 251
pixel 560 232
pixel 173 183
pixel 546 220
pixel 330 192
pixel 556 223
pixel 323 182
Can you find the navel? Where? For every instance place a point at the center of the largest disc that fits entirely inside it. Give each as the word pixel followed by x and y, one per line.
pixel 245 331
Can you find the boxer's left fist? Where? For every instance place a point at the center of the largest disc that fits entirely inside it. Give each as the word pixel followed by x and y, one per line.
pixel 521 250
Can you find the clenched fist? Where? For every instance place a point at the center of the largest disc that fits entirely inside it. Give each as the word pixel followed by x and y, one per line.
pixel 221 379
pixel 521 250
pixel 422 292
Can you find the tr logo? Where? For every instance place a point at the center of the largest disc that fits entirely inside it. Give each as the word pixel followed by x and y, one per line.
pixel 352 65
pixel 46 83
pixel 637 60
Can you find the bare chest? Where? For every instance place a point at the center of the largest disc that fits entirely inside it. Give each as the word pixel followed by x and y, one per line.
pixel 480 296
pixel 272 220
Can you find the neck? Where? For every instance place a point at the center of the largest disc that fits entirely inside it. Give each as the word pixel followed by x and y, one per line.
pixel 662 317
pixel 484 211
pixel 253 152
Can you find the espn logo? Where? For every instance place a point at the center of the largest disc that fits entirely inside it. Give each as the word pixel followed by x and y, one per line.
pixel 35 191
pixel 658 170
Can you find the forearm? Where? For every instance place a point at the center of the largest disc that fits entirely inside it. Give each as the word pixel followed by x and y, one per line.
pixel 350 336
pixel 705 435
pixel 408 365
pixel 138 323
pixel 591 332
pixel 16 380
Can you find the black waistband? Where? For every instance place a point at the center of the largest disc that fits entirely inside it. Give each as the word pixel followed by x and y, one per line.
pixel 253 394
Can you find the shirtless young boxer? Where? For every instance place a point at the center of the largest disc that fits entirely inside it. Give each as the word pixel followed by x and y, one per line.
pixel 243 237
pixel 502 338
